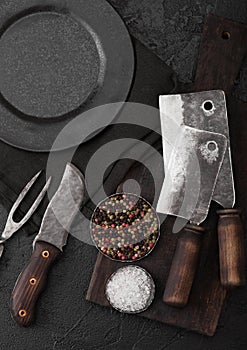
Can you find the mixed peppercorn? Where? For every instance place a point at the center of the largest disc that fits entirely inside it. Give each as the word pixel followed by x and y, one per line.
pixel 125 227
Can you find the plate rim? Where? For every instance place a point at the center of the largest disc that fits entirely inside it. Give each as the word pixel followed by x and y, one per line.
pixel 11 132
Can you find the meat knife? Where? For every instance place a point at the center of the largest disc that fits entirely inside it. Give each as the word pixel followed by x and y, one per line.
pixel 205 111
pixel 48 244
pixel 187 191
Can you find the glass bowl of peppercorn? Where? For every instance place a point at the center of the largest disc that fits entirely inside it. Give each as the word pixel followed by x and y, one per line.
pixel 125 227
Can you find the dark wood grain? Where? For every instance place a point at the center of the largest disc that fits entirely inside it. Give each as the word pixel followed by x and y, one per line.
pixel 231 248
pixel 183 267
pixel 223 47
pixel 217 69
pixel 31 283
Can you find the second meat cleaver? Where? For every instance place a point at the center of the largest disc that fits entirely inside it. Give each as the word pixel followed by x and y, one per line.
pixel 189 184
pixel 205 111
pixel 48 244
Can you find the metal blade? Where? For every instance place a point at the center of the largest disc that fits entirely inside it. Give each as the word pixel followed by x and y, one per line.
pixel 205 111
pixel 63 207
pixel 191 174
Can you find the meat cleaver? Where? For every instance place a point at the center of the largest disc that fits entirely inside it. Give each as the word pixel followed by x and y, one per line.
pixel 48 244
pixel 197 171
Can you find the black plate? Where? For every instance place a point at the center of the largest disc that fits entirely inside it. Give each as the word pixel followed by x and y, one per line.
pixel 57 60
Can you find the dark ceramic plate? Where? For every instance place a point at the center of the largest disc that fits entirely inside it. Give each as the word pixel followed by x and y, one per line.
pixel 58 59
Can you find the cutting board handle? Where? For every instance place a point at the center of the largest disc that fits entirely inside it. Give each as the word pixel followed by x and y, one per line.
pixel 31 282
pixel 231 248
pixel 183 268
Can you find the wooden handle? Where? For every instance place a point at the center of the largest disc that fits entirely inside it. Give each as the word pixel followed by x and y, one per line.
pixel 183 267
pixel 31 282
pixel 231 248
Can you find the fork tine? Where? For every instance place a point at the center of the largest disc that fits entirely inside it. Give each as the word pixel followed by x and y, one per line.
pixel 23 194
pixel 35 204
pixel 1 249
pixel 12 226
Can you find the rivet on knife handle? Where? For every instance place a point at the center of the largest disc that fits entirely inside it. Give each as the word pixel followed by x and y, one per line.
pixel 31 282
pixel 183 266
pixel 231 248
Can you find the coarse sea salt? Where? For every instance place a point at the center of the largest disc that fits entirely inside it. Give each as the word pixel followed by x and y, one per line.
pixel 130 289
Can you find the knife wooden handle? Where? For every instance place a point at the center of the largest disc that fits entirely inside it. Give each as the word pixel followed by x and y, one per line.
pixel 31 282
pixel 231 248
pixel 183 266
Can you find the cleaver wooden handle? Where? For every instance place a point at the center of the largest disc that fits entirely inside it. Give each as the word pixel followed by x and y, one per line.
pixel 183 268
pixel 31 282
pixel 231 248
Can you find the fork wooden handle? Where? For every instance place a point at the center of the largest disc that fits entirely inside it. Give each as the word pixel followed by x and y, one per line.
pixel 31 282
pixel 183 268
pixel 231 248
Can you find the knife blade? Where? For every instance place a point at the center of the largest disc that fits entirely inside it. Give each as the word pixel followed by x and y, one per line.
pixel 48 244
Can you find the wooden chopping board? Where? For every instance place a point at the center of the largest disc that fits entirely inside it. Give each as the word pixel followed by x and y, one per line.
pixel 221 54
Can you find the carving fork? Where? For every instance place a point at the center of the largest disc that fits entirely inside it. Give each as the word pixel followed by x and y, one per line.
pixel 11 226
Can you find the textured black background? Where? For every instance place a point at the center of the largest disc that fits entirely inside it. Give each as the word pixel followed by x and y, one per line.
pixel 172 29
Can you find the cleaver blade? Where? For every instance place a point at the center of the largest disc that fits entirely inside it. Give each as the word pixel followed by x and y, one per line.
pixel 191 173
pixel 206 111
